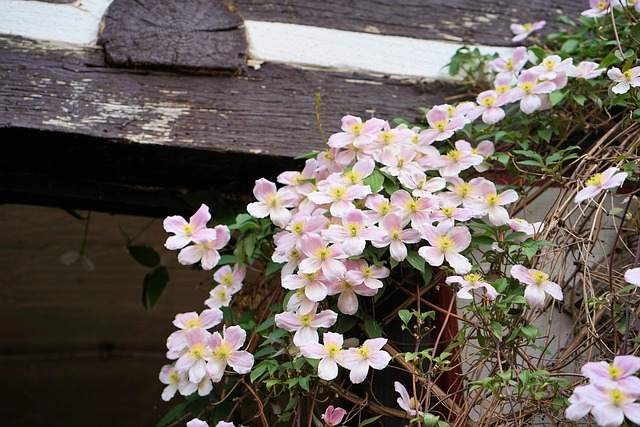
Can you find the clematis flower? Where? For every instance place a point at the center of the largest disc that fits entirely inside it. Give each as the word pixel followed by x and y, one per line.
pixel 471 282
pixel 355 132
pixel 175 381
pixel 585 70
pixel 196 422
pixel 300 182
pixel 220 296
pixel 416 210
pixel 301 224
pixel 538 285
pixel 509 68
pixel 231 278
pixel 330 354
pixel 489 103
pixel 396 237
pixel 333 416
pixel 618 374
pixel 446 244
pixel 338 195
pixel 224 351
pixel 442 126
pixel 522 31
pixel 185 232
pixel 313 285
pixel 194 360
pixel 271 203
pixel 305 325
pixel 205 248
pixel 348 286
pixel 322 256
pixel 599 182
pixel 624 80
pixel 633 276
pixel 551 66
pixel 369 354
pixel 529 91
pixel 460 158
pixel 369 275
pixel 597 8
pixel 185 321
pixel 406 403
pixel 492 203
pixel 353 233
pixel 609 407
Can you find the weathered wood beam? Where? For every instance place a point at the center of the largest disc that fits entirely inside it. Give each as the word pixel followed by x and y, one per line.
pixel 465 21
pixel 65 114
pixel 195 35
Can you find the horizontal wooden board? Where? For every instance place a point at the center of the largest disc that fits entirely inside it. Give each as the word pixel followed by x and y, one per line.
pixel 185 132
pixel 466 21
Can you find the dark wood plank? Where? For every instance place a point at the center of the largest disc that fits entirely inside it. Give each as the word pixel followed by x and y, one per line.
pixel 187 35
pixel 468 21
pixel 135 129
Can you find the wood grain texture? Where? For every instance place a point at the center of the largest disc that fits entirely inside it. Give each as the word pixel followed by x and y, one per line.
pixel 466 21
pixel 186 132
pixel 194 35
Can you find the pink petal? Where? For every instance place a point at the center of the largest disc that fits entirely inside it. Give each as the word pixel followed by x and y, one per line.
pixel 241 361
pixel 535 295
pixel 432 255
pixel 327 369
pixel 459 263
pixel 236 336
pixel 263 188
pixel 201 217
pixel 522 274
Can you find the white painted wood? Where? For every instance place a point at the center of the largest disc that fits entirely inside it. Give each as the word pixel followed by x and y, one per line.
pixel 299 45
pixel 75 23
pixel 351 51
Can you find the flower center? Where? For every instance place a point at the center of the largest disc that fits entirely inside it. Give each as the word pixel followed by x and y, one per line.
pixel 615 372
pixel 488 101
pixel 618 397
pixel 454 155
pixel 197 351
pixel 353 176
pixel 472 278
pixel 223 351
pixel 539 277
pixel 448 211
pixel 188 229
pixel 385 207
pixel 595 180
pixel 305 319
pixel 387 138
pixel 356 128
pixel 193 323
pixel 527 87
pixel 227 279
pixel 549 63
pixel 338 192
pixel 298 227
pixel 602 5
pixel 364 351
pixel 332 348
pixel 441 125
pixel 323 253
pixel 445 243
pixel 528 26
pixel 492 199
pixel 509 64
pixel 354 228
pixel 174 377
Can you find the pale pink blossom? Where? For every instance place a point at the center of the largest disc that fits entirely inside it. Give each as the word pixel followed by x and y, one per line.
pixel 624 80
pixel 618 374
pixel 333 160
pixel 300 182
pixel 225 351
pixel 442 126
pixel 538 285
pixel 355 132
pixel 291 258
pixel 348 286
pixel 220 296
pixel 271 203
pixel 196 422
pixel 224 424
pixel 360 170
pixel 313 284
pixel 503 83
pixel 370 275
pixel 305 325
pixel 446 244
pixel 396 237
pixel 379 207
pixel 585 70
pixel 369 354
pixel 426 188
pixel 597 8
pixel 510 67
pixel 462 192
pixel 205 248
pixel 185 232
pixel 609 407
pixel 416 210
pixel 301 224
pixel 633 276
pixel 405 402
pixel 520 225
pixel 176 342
pixel 322 256
pixel 522 31
pixel 489 103
pixel 175 381
pixel 353 233
pixel 388 137
pixel 472 282
pixel 299 303
pixel 600 182
pixel 338 195
pixel 455 161
pixel 398 161
pixel 448 214
pixel 231 278
pixel 529 91
pixel 194 360
pixel 330 354
pixel 551 66
pixel 333 416
pixel 492 203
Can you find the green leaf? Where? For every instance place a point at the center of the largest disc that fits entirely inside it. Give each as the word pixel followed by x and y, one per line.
pixel 416 261
pixel 530 331
pixel 304 383
pixel 273 267
pixel 227 259
pixel 369 421
pixel 556 96
pixel 145 255
pixel 152 286
pixel 310 155
pixel 405 315
pixel 250 245
pixel 374 181
pixel 608 60
pixel 345 323
pixel 497 329
pixel 371 327
pixel 570 46
pixel 580 99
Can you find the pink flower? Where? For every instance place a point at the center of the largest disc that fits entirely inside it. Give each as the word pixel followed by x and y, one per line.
pixel 460 158
pixel 624 80
pixel 321 256
pixel 522 31
pixel 396 237
pixel 442 126
pixel 175 381
pixel 609 407
pixel 333 416
pixel 585 70
pixel 618 374
pixel 552 66
pixel 300 182
pixel 339 195
pixel 301 224
pixel 355 132
pixel 220 296
pixel 471 282
pixel 529 91
pixel 224 351
pixel 369 354
pixel 446 244
pixel 271 202
pixel 185 232
pixel 597 8
pixel 512 66
pixel 313 285
pixel 369 275
pixel 176 342
pixel 353 233
pixel 305 325
pixel 231 278
pixel 197 423
pixel 489 103
pixel 538 285
pixel 412 209
pixel 492 203
pixel 633 276
pixel 205 248
pixel 194 361
pixel 348 286
pixel 406 403
pixel 599 182
pixel 330 354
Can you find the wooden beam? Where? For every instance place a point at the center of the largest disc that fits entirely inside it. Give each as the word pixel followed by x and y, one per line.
pixel 464 21
pixel 147 130
pixel 195 35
